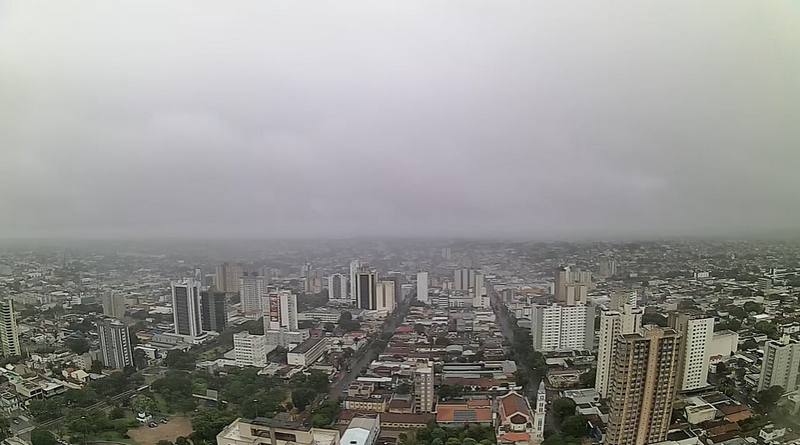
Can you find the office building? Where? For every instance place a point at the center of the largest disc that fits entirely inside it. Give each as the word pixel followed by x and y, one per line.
pixel 422 287
pixel 366 282
pixel 643 386
pixel 572 286
pixel 115 344
pixel 186 308
pixel 558 327
pixel 424 396
pixel 227 276
pixel 396 278
pixel 9 333
pixel 308 352
pixel 480 299
pixel 355 266
pixel 249 349
pixel 608 268
pixel 312 282
pixel 781 365
pixel 385 296
pixel 280 311
pixel 337 287
pixel 252 290
pixel 613 324
pixel 214 310
pixel 274 431
pixel 113 305
pixel 696 332
pixel 463 279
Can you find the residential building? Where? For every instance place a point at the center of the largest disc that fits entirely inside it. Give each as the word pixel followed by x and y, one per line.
pixel 559 327
pixel 228 276
pixel 781 365
pixel 423 387
pixel 696 332
pixel 385 298
pixel 115 344
pixel 337 287
pixel 113 305
pixel 252 289
pixel 214 310
pixel 572 286
pixel 612 325
pixel 422 287
pixel 249 349
pixel 463 279
pixel 643 386
pixel 9 332
pixel 186 308
pixel 265 431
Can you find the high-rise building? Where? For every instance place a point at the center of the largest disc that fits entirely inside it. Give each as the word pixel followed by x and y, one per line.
pixel 228 276
pixel 572 286
pixel 249 349
pixel 422 287
pixel 280 311
pixel 696 332
pixel 540 414
pixel 423 387
pixel 384 296
pixel 447 253
pixel 463 279
pixel 312 283
pixel 480 299
pixel 337 287
pixel 608 268
pixel 613 324
pixel 366 282
pixel 252 290
pixel 214 310
pixel 9 333
pixel 620 299
pixel 355 266
pixel 113 305
pixel 115 344
pixel 643 386
pixel 186 307
pixel 781 365
pixel 558 327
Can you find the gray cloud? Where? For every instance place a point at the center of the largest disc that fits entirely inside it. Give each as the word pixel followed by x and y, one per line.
pixel 273 119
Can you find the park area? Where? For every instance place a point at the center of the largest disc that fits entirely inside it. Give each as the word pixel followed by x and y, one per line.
pixel 176 427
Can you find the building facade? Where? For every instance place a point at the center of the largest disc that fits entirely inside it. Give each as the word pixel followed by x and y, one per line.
pixel 781 365
pixel 422 287
pixel 424 396
pixel 572 286
pixel 337 287
pixel 696 332
pixel 252 289
pixel 559 327
pixel 186 307
pixel 115 344
pixel 227 277
pixel 113 305
pixel 612 325
pixel 9 332
pixel 214 310
pixel 249 349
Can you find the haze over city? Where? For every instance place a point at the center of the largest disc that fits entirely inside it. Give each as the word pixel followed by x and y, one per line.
pixel 347 119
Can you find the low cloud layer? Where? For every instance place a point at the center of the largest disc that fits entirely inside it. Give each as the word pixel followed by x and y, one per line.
pixel 417 118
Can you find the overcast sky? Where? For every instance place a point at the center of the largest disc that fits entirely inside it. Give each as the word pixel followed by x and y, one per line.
pixel 270 119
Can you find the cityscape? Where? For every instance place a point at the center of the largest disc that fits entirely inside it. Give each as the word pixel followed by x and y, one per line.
pixel 402 342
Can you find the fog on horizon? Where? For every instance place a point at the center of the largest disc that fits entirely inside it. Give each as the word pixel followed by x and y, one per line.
pixel 400 119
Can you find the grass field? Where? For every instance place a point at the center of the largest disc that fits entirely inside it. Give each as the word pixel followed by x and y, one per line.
pixel 177 426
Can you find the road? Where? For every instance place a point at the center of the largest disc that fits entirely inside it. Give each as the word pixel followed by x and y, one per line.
pixel 371 351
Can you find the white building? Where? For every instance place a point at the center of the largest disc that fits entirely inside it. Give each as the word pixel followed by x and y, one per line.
pixel 9 333
pixel 263 431
pixel 540 414
pixel 781 365
pixel 422 287
pixel 479 297
pixel 385 296
pixel 423 387
pixel 249 349
pixel 362 431
pixel 612 324
pixel 113 305
pixel 562 328
pixel 252 290
pixel 186 308
pixel 696 333
pixel 115 344
pixel 337 287
pixel 280 311
pixel 308 352
pixel 355 265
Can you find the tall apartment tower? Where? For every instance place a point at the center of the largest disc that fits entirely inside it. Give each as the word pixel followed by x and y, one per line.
pixel 643 386
pixel 115 344
pixel 558 327
pixel 113 305
pixel 337 287
pixel 696 332
pixel 463 279
pixel 228 276
pixel 423 387
pixel 612 325
pixel 214 310
pixel 385 298
pixel 366 282
pixel 781 365
pixel 249 349
pixel 186 307
pixel 252 290
pixel 572 286
pixel 9 334
pixel 280 311
pixel 355 266
pixel 422 287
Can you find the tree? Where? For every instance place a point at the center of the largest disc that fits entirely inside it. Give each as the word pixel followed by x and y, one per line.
pixel 737 312
pixel 178 359
pixel 587 378
pixel 180 440
pixel 752 306
pixel 403 388
pixel 77 345
pixel 768 398
pixel 207 423
pixel 347 323
pixel 563 408
pixel 116 413
pixel 767 328
pixel 574 426
pixel 164 442
pixel 5 428
pixel 43 437
pixel 144 404
pixel 301 397
pixel 749 344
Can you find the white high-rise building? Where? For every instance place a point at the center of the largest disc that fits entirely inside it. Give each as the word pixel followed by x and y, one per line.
pixel 249 349
pixel 9 333
pixel 612 324
pixel 572 286
pixel 115 344
pixel 463 279
pixel 186 308
pixel 280 311
pixel 696 332
pixel 562 328
pixel 384 296
pixel 355 265
pixel 479 297
pixel 781 366
pixel 540 414
pixel 422 287
pixel 337 287
pixel 252 289
pixel 113 305
pixel 423 387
